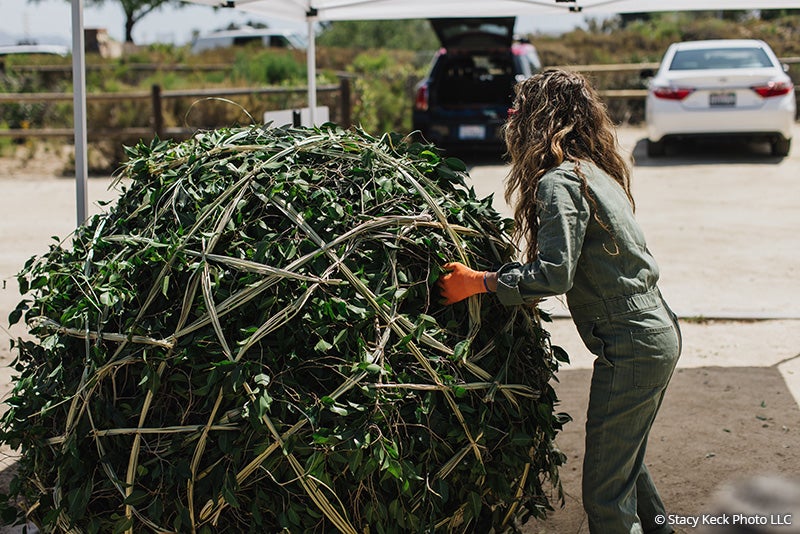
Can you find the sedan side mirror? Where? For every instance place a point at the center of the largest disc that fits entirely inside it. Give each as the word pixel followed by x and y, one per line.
pixel 785 67
pixel 644 74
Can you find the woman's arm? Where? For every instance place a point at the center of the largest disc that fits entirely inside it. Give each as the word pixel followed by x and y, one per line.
pixel 564 217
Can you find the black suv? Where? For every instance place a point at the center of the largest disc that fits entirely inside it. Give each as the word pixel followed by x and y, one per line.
pixel 464 99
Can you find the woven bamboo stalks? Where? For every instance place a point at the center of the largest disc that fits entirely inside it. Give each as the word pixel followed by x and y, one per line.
pixel 250 340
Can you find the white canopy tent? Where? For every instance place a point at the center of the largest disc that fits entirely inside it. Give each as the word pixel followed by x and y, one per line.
pixel 313 11
pixel 403 9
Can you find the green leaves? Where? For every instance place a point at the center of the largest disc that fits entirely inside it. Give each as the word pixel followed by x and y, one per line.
pixel 250 340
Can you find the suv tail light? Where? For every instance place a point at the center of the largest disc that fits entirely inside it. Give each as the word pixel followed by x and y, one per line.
pixel 672 93
pixel 421 101
pixel 773 89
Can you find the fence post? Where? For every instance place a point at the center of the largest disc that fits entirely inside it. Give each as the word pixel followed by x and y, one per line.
pixel 158 115
pixel 346 105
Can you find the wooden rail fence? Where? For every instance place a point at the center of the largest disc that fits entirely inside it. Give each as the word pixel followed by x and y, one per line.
pixel 157 95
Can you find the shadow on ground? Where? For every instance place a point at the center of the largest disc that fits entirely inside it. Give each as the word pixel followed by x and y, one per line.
pixel 706 152
pixel 688 152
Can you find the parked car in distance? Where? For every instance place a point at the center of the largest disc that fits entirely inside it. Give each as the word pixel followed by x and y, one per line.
pixel 267 37
pixel 34 49
pixel 463 100
pixel 720 88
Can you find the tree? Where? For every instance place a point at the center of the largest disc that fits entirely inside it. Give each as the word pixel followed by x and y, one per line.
pixel 135 10
pixel 775 14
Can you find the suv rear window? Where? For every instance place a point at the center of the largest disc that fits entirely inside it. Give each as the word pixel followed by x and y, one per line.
pixel 474 78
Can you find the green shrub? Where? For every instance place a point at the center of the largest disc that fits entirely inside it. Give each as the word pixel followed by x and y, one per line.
pixel 268 67
pixel 6 143
pixel 384 90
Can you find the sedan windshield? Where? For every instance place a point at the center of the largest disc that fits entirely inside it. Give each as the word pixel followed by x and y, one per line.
pixel 720 58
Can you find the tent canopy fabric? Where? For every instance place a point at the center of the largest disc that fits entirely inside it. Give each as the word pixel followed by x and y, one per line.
pixel 330 10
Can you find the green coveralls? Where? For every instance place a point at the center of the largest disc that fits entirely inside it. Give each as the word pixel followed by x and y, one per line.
pixel 609 278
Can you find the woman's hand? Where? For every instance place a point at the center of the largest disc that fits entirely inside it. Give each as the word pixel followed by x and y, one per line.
pixel 462 282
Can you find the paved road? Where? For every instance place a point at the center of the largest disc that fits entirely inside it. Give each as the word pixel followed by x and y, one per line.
pixel 722 222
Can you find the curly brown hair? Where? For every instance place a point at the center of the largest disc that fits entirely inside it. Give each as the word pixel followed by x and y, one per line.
pixel 557 117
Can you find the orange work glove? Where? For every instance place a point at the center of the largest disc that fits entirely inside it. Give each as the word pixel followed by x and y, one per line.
pixel 460 282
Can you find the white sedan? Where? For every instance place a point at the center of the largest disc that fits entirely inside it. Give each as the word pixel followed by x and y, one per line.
pixel 727 87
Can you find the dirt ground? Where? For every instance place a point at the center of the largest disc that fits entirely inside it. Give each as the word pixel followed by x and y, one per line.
pixel 722 222
pixel 717 425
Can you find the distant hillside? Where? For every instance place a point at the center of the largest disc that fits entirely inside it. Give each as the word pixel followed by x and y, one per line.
pixel 611 41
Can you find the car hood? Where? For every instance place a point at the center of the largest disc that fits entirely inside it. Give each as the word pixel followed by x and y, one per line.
pixel 475 33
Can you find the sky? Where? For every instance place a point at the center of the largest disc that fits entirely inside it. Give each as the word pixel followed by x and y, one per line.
pixel 50 22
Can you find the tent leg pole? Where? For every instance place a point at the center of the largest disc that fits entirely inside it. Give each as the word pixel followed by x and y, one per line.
pixel 311 68
pixel 79 109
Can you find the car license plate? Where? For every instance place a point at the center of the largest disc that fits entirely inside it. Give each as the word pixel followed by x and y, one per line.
pixel 472 131
pixel 722 99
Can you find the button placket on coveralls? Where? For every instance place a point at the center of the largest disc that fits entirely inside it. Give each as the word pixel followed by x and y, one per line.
pixel 609 279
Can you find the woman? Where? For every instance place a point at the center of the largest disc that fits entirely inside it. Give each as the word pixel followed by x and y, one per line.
pixel 570 189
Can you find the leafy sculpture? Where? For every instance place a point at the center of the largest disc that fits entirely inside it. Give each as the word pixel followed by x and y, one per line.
pixel 249 340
